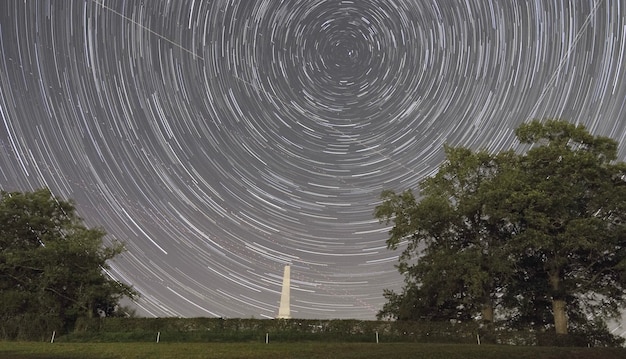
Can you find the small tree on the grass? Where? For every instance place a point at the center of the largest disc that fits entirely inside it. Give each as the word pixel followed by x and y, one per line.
pixel 52 265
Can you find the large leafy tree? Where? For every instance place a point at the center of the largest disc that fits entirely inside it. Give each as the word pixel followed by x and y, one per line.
pixel 565 203
pixel 540 234
pixel 52 265
pixel 453 261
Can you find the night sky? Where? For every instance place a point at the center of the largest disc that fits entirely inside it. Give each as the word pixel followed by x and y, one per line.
pixel 223 139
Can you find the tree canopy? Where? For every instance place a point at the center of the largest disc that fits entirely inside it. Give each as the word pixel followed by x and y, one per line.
pixel 538 238
pixel 51 265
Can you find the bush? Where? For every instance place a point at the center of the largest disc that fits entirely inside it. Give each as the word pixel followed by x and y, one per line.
pixel 552 339
pixel 287 330
pixel 296 330
pixel 30 327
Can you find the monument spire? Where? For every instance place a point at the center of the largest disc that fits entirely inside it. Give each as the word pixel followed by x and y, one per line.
pixel 284 310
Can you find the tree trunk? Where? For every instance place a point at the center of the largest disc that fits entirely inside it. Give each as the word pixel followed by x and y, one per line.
pixel 487 313
pixel 558 304
pixel 560 318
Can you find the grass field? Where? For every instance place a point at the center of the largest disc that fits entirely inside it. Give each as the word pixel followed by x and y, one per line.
pixel 309 350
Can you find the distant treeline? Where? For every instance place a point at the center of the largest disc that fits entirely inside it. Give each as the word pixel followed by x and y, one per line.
pixel 291 330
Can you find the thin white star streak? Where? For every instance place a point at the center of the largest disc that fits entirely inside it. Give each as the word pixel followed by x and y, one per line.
pixel 224 139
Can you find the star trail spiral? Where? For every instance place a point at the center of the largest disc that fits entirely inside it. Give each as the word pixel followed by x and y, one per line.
pixel 223 139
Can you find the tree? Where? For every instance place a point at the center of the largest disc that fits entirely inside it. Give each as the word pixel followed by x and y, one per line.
pixel 452 262
pixel 565 202
pixel 51 264
pixel 539 235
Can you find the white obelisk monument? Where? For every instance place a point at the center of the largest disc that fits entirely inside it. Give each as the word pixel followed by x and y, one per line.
pixel 284 311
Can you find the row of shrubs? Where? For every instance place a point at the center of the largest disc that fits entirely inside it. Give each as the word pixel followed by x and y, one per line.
pixel 279 330
pixel 231 330
pixel 220 329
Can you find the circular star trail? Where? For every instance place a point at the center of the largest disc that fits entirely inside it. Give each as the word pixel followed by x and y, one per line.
pixel 224 139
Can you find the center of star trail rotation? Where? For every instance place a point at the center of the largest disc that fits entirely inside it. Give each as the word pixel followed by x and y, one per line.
pixel 222 139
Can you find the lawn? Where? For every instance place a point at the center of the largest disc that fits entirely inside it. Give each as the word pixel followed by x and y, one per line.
pixel 309 350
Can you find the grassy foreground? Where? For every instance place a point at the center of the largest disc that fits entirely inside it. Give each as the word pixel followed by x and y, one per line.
pixel 37 350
